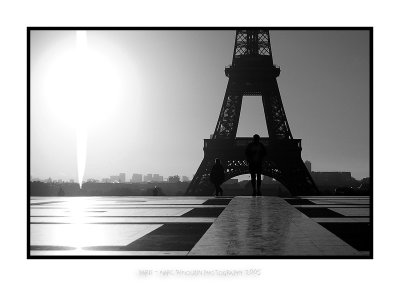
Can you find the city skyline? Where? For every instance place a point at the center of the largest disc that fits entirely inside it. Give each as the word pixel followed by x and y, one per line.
pixel 174 81
pixel 134 178
pixel 128 179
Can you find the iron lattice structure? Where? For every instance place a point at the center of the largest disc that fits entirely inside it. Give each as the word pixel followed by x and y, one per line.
pixel 253 73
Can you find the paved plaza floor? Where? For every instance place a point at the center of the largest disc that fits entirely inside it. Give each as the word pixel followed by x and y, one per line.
pixel 200 226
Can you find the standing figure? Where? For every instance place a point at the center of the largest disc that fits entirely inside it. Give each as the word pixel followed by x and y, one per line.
pixel 61 191
pixel 156 191
pixel 255 153
pixel 217 176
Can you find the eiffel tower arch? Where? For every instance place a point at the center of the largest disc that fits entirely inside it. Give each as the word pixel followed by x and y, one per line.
pixel 253 73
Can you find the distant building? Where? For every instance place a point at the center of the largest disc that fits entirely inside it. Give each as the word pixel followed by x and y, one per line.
pixel 106 180
pixel 122 178
pixel 148 178
pixel 308 165
pixel 137 178
pixel 71 181
pixel 174 179
pixel 114 179
pixel 185 179
pixel 332 178
pixel 157 178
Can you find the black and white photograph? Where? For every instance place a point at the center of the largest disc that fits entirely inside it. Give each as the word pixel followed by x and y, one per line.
pixel 199 142
pixel 218 143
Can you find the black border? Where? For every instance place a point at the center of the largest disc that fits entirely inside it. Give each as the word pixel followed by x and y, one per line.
pixel 197 28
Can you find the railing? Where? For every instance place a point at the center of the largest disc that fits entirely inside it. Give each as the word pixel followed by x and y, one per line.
pixel 251 70
pixel 242 142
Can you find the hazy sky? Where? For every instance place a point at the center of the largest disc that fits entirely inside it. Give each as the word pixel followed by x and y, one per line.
pixel 155 95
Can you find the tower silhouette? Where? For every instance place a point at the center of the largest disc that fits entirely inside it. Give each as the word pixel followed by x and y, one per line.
pixel 253 73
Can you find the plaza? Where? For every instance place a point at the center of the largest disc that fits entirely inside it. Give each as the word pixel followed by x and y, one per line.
pixel 200 226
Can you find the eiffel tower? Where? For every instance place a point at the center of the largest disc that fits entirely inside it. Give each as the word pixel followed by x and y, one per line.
pixel 253 73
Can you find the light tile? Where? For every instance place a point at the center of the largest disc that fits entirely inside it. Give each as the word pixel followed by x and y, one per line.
pixel 82 235
pixel 111 212
pixel 106 253
pixel 116 220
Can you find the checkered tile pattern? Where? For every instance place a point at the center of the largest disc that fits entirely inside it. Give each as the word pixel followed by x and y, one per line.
pixel 200 226
pixel 93 226
pixel 348 217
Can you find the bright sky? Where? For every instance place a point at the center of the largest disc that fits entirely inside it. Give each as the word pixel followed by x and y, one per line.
pixel 149 98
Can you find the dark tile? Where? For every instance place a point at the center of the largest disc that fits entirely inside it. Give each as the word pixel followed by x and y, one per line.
pixel 299 202
pixel 358 235
pixel 170 237
pixel 204 212
pixel 217 202
pixel 319 212
pixel 45 203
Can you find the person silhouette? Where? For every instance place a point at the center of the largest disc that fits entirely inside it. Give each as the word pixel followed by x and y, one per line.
pixel 255 153
pixel 61 191
pixel 156 191
pixel 217 176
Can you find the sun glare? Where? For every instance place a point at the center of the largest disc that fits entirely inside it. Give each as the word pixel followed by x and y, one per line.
pixel 82 84
pixel 77 207
pixel 81 148
pixel 82 87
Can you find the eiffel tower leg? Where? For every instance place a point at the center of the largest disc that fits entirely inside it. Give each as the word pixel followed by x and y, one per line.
pixel 298 180
pixel 228 119
pixel 294 173
pixel 226 128
pixel 201 181
pixel 278 126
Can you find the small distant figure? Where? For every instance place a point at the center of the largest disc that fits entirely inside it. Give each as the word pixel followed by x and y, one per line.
pixel 255 153
pixel 61 192
pixel 217 176
pixel 156 191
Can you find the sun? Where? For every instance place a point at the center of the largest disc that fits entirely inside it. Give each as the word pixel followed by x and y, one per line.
pixel 82 84
pixel 82 87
